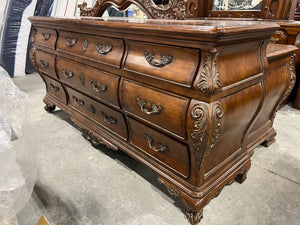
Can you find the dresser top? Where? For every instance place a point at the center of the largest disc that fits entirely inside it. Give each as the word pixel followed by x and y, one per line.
pixel 196 28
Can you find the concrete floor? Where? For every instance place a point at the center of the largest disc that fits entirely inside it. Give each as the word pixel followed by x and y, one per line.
pixel 78 184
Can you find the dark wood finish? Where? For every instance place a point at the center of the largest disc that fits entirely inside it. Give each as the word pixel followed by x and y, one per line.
pixel 196 126
pixel 95 83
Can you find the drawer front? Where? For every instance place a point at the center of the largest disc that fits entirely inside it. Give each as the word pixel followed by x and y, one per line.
pixel 160 108
pixel 163 62
pixel 46 37
pixel 102 49
pixel 45 63
pixel 96 83
pixel 55 88
pixel 104 115
pixel 162 148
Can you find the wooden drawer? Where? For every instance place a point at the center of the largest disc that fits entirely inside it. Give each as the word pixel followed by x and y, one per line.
pixel 162 148
pixel 46 37
pixel 163 62
pixel 160 108
pixel 96 83
pixel 101 49
pixel 104 115
pixel 55 88
pixel 45 63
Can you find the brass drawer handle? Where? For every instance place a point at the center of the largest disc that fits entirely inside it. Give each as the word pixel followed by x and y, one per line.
pixel 77 101
pixel 66 74
pixel 101 88
pixel 54 88
pixel 142 102
pixel 164 60
pixel 109 119
pixel 160 148
pixel 44 64
pixel 103 50
pixel 46 36
pixel 70 41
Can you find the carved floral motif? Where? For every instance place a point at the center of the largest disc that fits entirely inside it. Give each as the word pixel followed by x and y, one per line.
pixel 174 9
pixel 209 76
pixel 218 113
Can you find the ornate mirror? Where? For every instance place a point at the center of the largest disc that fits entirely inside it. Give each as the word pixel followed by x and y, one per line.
pixel 232 5
pixel 132 11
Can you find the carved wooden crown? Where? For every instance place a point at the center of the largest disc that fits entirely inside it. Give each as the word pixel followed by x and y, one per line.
pixel 172 9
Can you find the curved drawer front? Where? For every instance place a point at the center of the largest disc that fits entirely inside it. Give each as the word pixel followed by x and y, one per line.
pixel 162 148
pixel 96 83
pixel 163 62
pixel 106 50
pixel 107 117
pixel 55 89
pixel 45 37
pixel 45 63
pixel 161 108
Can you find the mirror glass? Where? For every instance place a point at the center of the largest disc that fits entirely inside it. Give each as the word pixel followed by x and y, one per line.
pixel 237 5
pixel 132 11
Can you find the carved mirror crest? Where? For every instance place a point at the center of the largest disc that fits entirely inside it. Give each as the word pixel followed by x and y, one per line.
pixel 232 5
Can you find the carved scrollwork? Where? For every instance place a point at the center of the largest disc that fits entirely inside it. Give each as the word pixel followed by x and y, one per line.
pixel 70 41
pixel 202 113
pixel 85 11
pixel 209 76
pixel 199 135
pixel 103 50
pixel 33 37
pixel 217 114
pixel 174 9
pixel 164 60
pixel 292 78
pixel 33 57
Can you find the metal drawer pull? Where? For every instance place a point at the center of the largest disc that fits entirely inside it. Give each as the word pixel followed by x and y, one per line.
pixel 103 50
pixel 142 102
pixel 102 87
pixel 77 101
pixel 44 64
pixel 164 60
pixel 160 148
pixel 109 119
pixel 54 88
pixel 46 36
pixel 66 74
pixel 70 41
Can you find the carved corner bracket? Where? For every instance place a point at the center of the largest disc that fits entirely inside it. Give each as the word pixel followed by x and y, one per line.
pixel 208 80
pixel 208 121
pixel 171 189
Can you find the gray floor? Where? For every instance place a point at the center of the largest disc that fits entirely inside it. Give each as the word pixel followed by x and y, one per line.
pixel 78 184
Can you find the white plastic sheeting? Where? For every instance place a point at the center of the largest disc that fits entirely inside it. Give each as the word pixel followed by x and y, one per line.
pixel 17 150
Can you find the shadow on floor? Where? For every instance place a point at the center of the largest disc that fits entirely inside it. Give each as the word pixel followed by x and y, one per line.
pixel 128 162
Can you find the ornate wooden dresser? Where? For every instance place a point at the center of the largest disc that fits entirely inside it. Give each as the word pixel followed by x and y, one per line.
pixel 188 99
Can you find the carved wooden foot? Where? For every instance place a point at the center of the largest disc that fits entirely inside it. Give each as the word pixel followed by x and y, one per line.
pixel 49 108
pixel 242 176
pixel 194 217
pixel 268 142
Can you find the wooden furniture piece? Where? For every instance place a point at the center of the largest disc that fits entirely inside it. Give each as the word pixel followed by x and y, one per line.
pixel 279 11
pixel 188 99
